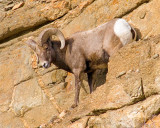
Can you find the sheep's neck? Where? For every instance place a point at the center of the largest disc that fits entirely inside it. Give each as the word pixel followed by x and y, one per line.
pixel 59 56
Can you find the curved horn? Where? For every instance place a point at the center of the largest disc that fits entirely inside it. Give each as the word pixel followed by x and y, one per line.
pixel 47 33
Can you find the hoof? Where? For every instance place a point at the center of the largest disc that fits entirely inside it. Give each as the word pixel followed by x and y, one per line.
pixel 74 105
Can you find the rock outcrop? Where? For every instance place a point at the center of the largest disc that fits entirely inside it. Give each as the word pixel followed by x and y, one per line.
pixel 32 97
pixel 128 100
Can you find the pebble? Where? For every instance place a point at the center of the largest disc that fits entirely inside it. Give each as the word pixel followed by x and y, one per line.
pixel 137 70
pixel 19 5
pixel 9 7
pixel 45 1
pixel 155 56
pixel 121 74
pixel 10 2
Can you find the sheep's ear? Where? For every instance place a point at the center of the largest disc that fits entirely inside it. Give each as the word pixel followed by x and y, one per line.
pixel 31 43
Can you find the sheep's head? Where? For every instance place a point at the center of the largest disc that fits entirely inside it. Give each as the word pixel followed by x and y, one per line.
pixel 43 47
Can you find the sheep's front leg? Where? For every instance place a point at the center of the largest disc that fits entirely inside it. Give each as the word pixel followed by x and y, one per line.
pixel 77 89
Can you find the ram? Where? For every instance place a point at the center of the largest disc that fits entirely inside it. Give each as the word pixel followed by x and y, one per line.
pixel 82 52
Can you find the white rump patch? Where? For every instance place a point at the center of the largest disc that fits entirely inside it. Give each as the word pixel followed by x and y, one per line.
pixel 123 30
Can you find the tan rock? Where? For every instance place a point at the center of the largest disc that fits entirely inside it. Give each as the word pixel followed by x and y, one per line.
pixel 82 123
pixel 40 115
pixel 2 16
pixel 128 100
pixel 5 99
pixel 15 62
pixel 154 122
pixel 27 17
pixel 146 18
pixel 26 96
pixel 15 68
pixel 133 116
pixel 58 76
pixel 8 119
pixel 140 83
pixel 47 79
pixel 9 7
pixel 100 11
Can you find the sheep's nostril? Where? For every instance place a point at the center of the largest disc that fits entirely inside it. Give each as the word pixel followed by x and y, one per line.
pixel 45 65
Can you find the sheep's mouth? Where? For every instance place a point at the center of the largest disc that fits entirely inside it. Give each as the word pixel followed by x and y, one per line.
pixel 44 65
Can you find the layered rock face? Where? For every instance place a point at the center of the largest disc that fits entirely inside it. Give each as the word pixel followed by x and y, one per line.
pixel 32 97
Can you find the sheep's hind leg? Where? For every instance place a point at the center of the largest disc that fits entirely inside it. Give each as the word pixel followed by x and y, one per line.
pixel 91 81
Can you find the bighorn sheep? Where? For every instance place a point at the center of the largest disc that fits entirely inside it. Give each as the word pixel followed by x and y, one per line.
pixel 84 51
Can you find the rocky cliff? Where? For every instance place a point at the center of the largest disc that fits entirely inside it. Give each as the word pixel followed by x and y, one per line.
pixel 32 97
